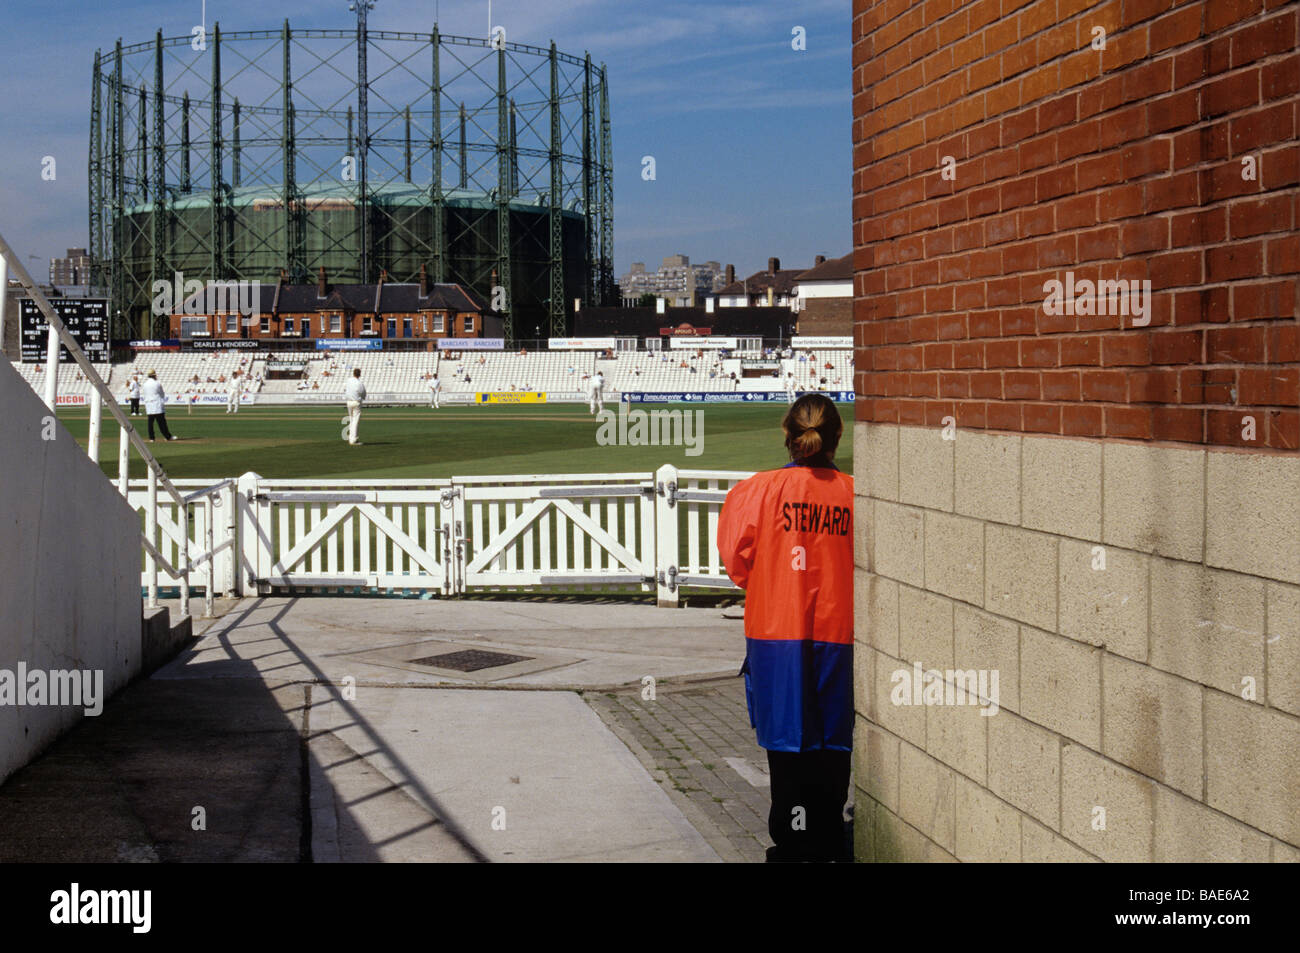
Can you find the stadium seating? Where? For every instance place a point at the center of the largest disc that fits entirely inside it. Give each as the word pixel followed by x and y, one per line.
pixel 72 382
pixel 176 371
pixel 404 375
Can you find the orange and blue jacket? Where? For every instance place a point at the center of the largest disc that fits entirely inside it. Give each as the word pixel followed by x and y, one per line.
pixel 786 537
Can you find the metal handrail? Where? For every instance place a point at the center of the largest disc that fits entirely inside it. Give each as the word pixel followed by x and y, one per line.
pixel 209 490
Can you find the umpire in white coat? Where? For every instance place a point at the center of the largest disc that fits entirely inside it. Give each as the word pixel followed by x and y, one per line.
pixel 155 405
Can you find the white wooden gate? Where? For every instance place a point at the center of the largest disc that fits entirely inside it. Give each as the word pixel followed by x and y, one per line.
pixel 615 532
pixel 381 535
pixel 559 531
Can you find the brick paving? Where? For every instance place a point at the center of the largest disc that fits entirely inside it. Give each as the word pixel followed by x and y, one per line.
pixel 684 736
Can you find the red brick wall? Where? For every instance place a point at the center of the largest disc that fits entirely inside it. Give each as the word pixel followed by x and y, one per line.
pixel 830 317
pixel 1120 163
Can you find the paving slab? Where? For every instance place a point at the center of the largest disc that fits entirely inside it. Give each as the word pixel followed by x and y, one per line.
pixel 523 775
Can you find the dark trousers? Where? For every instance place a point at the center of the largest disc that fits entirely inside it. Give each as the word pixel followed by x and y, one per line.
pixel 806 821
pixel 162 425
pixel 135 406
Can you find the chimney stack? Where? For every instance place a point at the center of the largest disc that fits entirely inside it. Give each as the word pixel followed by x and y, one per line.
pixel 320 282
pixel 773 265
pixel 819 260
pixel 424 282
pixel 731 274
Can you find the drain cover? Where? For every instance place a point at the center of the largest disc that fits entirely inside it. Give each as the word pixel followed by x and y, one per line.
pixel 470 660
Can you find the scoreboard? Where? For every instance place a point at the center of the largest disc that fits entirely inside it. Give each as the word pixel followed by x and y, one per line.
pixel 85 318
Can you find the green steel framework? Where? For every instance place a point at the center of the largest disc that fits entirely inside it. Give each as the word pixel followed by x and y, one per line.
pixel 286 176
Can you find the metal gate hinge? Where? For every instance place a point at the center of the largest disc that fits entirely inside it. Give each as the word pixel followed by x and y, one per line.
pixel 669 492
pixel 671 581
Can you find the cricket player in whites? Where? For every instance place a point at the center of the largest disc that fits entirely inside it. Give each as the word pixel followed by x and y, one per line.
pixel 233 392
pixel 596 387
pixel 435 387
pixel 789 388
pixel 355 393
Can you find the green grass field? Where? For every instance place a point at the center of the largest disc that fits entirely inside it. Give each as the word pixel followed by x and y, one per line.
pixel 303 442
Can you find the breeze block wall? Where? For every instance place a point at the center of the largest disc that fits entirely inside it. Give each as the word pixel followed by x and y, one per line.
pixel 1098 505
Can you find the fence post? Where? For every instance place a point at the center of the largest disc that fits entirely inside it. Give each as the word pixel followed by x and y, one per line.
pixel 209 541
pixel 96 419
pixel 183 557
pixel 123 463
pixel 248 562
pixel 151 533
pixel 666 536
pixel 52 370
pixel 230 555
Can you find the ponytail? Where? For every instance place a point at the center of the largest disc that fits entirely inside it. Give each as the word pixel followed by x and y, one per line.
pixel 812 428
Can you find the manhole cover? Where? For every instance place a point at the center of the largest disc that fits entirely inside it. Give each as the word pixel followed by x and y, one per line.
pixel 470 660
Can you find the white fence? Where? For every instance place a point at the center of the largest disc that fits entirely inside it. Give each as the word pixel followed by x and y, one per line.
pixel 615 532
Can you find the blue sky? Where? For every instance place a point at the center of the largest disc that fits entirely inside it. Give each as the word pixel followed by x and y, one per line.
pixel 751 139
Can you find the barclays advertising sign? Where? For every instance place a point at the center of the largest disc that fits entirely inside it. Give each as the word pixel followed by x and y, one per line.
pixel 471 344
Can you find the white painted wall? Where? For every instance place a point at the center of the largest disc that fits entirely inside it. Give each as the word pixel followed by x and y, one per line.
pixel 806 290
pixel 69 568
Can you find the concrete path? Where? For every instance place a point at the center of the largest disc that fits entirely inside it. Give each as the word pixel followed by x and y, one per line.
pixel 343 729
pixel 376 641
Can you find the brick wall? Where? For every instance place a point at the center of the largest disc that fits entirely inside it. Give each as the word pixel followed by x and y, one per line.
pixel 827 317
pixel 1122 163
pixel 1094 525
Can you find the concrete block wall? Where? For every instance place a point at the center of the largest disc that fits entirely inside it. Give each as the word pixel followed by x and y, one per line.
pixel 1141 606
pixel 69 569
pixel 1104 513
